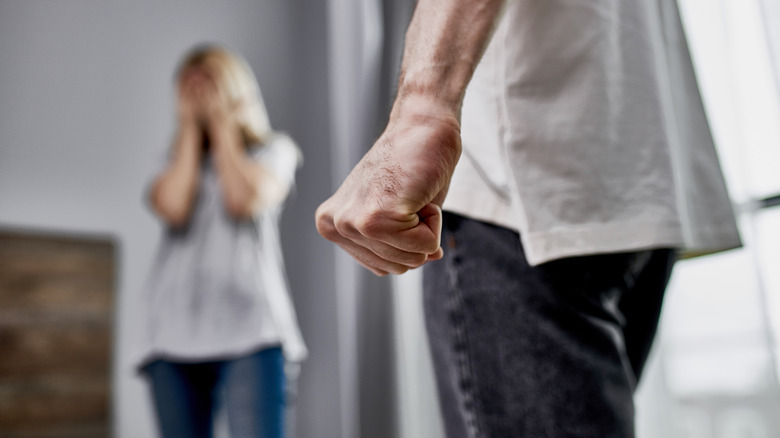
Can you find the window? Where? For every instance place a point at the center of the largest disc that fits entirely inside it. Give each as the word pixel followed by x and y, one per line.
pixel 715 374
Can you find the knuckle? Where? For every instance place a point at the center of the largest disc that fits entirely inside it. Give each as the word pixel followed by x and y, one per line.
pixel 321 214
pixel 326 227
pixel 344 226
pixel 369 224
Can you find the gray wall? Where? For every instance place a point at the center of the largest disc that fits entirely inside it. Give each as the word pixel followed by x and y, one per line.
pixel 86 113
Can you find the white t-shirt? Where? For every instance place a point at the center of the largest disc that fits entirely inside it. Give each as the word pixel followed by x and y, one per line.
pixel 583 130
pixel 217 289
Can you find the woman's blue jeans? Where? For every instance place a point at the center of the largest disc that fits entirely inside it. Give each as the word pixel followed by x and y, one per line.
pixel 251 388
pixel 543 351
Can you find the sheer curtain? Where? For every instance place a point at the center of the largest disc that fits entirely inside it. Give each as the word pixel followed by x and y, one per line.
pixel 366 39
pixel 714 373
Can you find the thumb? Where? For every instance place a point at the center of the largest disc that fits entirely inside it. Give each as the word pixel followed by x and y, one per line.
pixel 421 234
pixel 431 216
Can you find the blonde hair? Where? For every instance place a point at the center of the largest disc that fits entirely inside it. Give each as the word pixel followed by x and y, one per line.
pixel 235 77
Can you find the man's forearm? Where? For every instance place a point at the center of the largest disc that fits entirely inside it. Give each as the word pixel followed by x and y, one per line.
pixel 387 213
pixel 444 43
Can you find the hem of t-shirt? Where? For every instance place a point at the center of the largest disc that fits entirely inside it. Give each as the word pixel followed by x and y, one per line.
pixel 715 240
pixel 545 246
pixel 548 245
pixel 211 353
pixel 484 209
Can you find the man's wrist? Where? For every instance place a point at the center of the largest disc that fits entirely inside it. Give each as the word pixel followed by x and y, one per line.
pixel 444 82
pixel 420 107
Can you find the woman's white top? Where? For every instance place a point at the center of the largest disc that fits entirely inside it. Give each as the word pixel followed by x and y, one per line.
pixel 217 288
pixel 583 129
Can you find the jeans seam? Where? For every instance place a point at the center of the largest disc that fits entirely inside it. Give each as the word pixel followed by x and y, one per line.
pixel 460 345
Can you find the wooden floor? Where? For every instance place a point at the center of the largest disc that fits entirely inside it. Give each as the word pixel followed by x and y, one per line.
pixel 56 320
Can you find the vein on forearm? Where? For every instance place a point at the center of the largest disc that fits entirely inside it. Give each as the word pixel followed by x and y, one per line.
pixel 444 43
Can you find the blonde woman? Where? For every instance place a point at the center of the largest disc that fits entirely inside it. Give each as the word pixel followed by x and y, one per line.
pixel 220 324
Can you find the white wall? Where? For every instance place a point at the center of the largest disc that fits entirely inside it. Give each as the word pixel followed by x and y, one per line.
pixel 86 114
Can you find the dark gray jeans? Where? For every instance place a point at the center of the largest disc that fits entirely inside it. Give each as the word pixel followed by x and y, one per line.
pixel 549 351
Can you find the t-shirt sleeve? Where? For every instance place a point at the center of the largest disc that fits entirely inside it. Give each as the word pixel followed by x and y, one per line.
pixel 280 156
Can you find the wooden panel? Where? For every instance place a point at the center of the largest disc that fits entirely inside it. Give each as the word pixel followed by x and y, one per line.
pixel 56 313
